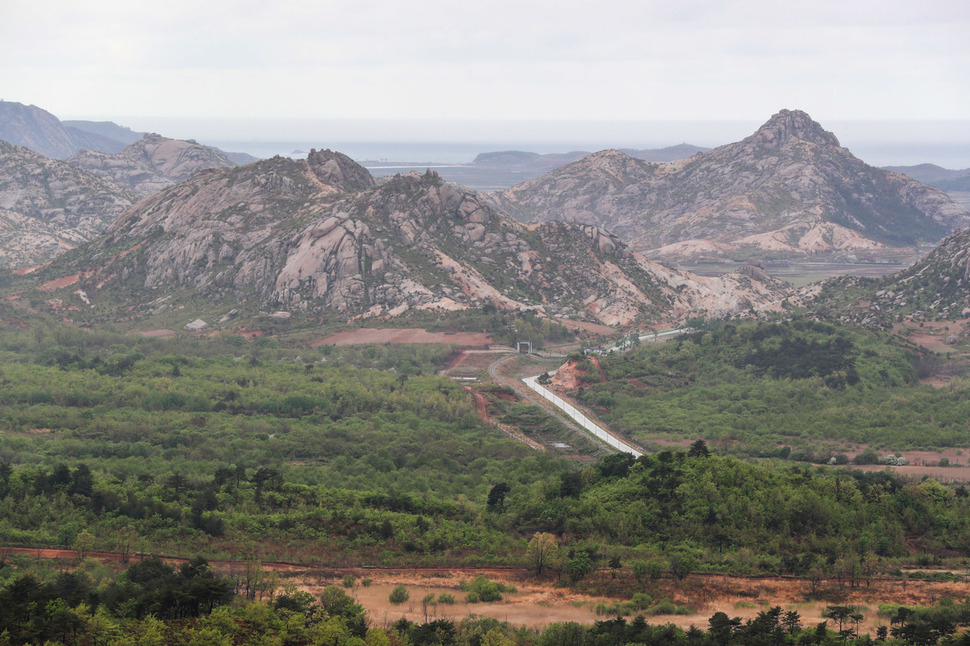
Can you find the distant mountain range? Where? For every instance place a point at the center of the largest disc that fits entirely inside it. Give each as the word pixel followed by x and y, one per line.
pixel 42 132
pixel 942 178
pixel 787 191
pixel 320 235
pixel 551 161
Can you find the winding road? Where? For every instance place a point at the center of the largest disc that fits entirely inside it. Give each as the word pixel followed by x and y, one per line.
pixel 583 424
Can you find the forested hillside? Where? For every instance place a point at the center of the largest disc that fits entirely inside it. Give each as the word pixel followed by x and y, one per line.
pixel 225 448
pixel 800 389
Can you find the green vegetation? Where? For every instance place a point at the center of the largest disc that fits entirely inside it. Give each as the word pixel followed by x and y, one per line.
pixel 481 589
pixel 272 453
pixel 112 443
pixel 232 449
pixel 802 388
pixel 399 595
pixel 674 514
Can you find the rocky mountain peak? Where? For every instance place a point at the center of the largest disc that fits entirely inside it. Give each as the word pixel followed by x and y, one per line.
pixel 151 163
pixel 787 190
pixel 282 234
pixel 340 171
pixel 610 154
pixel 612 159
pixel 793 124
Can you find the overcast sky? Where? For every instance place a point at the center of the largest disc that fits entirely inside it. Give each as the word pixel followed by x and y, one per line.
pixel 493 59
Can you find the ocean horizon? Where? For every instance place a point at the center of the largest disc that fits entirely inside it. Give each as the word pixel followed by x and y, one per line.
pixel 879 143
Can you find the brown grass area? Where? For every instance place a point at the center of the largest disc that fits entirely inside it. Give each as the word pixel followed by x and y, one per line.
pixel 538 603
pixel 366 335
pixel 472 363
pixel 532 605
pixel 932 334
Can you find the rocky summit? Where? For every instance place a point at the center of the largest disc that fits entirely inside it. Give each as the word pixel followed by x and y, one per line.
pixel 48 206
pixel 320 235
pixel 787 191
pixel 152 163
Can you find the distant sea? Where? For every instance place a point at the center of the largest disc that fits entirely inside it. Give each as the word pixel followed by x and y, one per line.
pixel 879 143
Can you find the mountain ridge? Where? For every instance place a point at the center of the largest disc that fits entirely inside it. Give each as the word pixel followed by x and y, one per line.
pixel 788 190
pixel 320 235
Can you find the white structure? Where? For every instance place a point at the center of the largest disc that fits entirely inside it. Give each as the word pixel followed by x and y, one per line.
pixel 598 431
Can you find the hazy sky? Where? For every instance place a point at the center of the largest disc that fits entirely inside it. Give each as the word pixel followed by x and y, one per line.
pixel 492 59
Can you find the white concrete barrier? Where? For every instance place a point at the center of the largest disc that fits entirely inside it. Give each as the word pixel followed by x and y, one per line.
pixel 580 418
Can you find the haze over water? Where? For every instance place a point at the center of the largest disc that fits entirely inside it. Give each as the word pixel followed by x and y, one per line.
pixel 880 143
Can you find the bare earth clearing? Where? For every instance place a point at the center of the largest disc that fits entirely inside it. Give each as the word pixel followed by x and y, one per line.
pixel 403 335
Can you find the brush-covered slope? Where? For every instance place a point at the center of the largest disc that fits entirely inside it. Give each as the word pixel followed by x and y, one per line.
pixel 48 206
pixel 319 235
pixel 788 190
pixel 152 163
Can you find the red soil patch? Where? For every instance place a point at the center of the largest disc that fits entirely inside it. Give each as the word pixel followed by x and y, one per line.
pixel 367 335
pixel 23 271
pixel 481 406
pixel 455 362
pixel 567 376
pixel 58 283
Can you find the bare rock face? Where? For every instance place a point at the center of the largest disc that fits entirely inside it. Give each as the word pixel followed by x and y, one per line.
pixel 339 170
pixel 48 206
pixel 787 191
pixel 317 235
pixel 792 126
pixel 152 163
